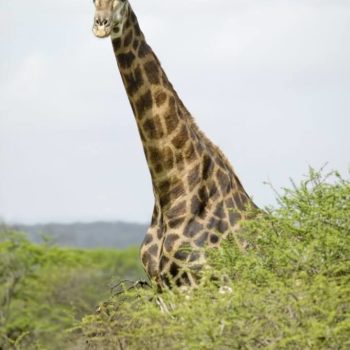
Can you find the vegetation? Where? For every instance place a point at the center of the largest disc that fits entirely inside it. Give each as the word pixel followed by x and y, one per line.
pixel 46 290
pixel 289 289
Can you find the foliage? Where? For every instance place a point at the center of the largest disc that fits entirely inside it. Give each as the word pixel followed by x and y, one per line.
pixel 290 286
pixel 46 290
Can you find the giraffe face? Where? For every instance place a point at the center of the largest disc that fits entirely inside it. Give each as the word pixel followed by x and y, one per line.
pixel 109 15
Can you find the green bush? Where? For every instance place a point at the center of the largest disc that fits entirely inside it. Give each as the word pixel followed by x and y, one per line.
pixel 290 286
pixel 45 290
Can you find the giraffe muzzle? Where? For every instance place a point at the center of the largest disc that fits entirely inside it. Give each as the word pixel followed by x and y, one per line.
pixel 102 27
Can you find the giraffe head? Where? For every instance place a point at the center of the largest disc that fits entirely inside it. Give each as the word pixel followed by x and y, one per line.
pixel 109 16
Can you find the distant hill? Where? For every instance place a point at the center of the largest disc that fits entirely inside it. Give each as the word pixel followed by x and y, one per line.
pixel 87 235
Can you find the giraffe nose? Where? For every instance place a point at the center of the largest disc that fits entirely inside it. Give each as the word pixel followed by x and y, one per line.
pixel 102 22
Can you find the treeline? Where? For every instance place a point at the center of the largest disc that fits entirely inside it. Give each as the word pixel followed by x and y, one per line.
pixel 87 235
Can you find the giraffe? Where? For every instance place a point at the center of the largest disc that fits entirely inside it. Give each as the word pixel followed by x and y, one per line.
pixel 199 199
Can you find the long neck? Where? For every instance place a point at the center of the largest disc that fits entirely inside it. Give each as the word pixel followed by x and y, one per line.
pixel 163 121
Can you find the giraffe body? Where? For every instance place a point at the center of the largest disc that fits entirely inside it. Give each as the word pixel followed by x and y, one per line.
pixel 199 199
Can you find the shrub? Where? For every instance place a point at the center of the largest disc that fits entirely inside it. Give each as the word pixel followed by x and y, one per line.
pixel 46 290
pixel 290 287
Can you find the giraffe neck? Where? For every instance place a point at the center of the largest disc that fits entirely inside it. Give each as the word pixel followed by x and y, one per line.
pixel 163 121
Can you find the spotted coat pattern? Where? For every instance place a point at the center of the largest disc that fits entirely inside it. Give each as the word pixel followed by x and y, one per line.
pixel 198 197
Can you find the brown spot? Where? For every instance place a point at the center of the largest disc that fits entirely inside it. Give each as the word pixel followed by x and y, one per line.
pixel 133 81
pixel 176 223
pixel 159 233
pixel 116 43
pixel 218 225
pixel 126 59
pixel 153 128
pixel 180 164
pixel 171 118
pixel 194 256
pixel 219 211
pixel 148 239
pixel 143 104
pixel 144 50
pixel 158 168
pixel 238 200
pixel 154 216
pixel 128 23
pixel 168 158
pixel 169 241
pixel 135 44
pixel 128 38
pixel 137 29
pixel 152 72
pixel 202 239
pixel 197 206
pixel 177 190
pixel 203 194
pixel 192 228
pixel 223 226
pixel 193 177
pixel 220 163
pixel 177 281
pixel 153 250
pixel 213 191
pixel 164 186
pixel 207 169
pixel 164 199
pixel 224 181
pixel 212 224
pixel 177 210
pixel 181 254
pixel 174 269
pixel 214 239
pixel 200 148
pixel 153 155
pixel 185 280
pixel 181 138
pixel 190 153
pixel 133 17
pixel 145 258
pixel 149 263
pixel 234 217
pixel 163 262
pixel 165 279
pixel 229 203
pixel 160 98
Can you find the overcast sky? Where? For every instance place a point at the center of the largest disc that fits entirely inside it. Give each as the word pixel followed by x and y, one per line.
pixel 268 81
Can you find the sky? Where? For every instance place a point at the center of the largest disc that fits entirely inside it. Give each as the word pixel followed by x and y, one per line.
pixel 267 80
